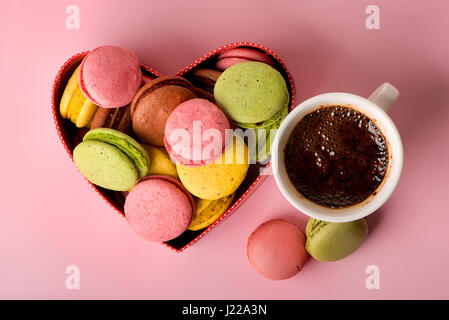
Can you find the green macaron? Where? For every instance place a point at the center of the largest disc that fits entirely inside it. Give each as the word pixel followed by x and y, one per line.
pixel 262 149
pixel 332 241
pixel 124 143
pixel 111 159
pixel 251 92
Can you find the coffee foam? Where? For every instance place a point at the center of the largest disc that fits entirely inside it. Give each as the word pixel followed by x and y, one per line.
pixel 336 156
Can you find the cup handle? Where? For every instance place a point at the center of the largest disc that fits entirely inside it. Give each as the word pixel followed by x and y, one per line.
pixel 384 96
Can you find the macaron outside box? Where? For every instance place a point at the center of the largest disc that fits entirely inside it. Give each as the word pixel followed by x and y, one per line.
pixel 70 135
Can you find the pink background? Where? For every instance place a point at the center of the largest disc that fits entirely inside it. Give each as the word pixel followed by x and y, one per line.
pixel 51 218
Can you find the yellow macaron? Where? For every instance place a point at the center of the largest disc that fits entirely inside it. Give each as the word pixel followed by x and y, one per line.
pixel 74 105
pixel 160 163
pixel 208 211
pixel 220 178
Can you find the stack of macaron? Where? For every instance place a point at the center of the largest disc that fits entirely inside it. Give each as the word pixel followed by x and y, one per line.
pixel 251 92
pixel 278 249
pixel 74 105
pixel 167 145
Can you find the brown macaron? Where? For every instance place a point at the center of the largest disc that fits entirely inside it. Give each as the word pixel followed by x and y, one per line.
pixel 115 118
pixel 205 78
pixel 204 94
pixel 154 103
pixel 204 81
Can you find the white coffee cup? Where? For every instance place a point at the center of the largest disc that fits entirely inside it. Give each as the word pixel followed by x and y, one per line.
pixel 375 108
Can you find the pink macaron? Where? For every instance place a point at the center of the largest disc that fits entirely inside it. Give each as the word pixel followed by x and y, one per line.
pixel 196 132
pixel 110 76
pixel 159 208
pixel 237 55
pixel 276 249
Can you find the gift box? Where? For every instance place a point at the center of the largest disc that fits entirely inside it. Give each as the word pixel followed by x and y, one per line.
pixel 70 135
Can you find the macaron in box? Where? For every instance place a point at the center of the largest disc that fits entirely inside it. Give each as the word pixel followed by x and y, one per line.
pixel 202 74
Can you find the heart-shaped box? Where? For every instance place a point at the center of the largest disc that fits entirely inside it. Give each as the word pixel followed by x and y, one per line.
pixel 256 174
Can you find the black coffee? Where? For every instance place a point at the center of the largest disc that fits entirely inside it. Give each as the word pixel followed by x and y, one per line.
pixel 336 156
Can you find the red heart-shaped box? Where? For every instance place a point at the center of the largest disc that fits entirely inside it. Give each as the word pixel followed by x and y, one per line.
pixel 256 173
